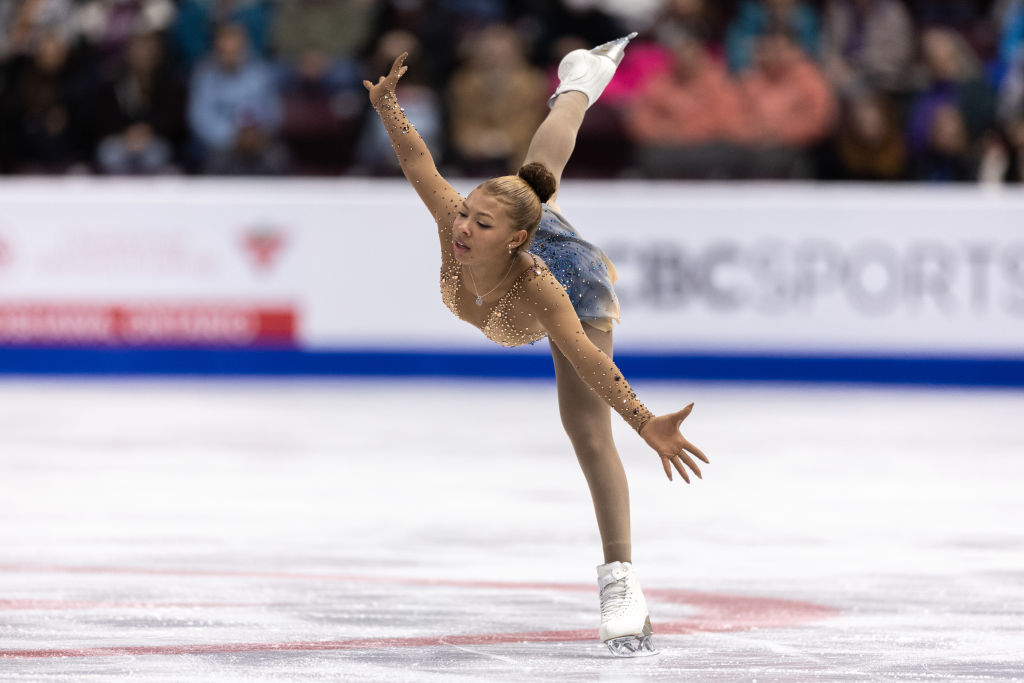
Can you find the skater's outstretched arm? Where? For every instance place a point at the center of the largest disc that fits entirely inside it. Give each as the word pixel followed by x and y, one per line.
pixel 546 299
pixel 555 139
pixel 417 164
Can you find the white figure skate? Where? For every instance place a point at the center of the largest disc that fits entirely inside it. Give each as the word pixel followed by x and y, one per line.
pixel 625 623
pixel 590 71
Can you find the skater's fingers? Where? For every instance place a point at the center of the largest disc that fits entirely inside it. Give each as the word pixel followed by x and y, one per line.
pixel 397 65
pixel 368 85
pixel 681 415
pixel 668 468
pixel 690 463
pixel 696 451
pixel 681 469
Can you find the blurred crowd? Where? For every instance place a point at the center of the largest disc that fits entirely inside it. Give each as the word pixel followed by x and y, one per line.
pixel 927 90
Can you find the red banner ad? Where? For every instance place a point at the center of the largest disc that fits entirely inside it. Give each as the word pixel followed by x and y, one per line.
pixel 147 325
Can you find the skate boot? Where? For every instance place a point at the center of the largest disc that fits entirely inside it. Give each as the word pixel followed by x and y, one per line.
pixel 625 624
pixel 590 71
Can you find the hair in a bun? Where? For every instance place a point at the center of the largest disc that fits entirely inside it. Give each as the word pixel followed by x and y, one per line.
pixel 523 195
pixel 538 177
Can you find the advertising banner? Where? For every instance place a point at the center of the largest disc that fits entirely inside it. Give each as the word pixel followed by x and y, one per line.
pixel 352 265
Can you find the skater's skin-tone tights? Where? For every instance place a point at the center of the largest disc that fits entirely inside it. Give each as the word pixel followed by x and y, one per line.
pixel 586 417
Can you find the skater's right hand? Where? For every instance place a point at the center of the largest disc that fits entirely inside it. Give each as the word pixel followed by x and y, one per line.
pixel 662 434
pixel 386 84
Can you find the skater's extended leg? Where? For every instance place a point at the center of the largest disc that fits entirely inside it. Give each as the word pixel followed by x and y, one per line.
pixel 587 421
pixel 625 624
pixel 583 76
pixel 555 139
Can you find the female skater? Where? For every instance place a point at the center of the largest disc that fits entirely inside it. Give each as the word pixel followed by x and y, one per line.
pixel 514 268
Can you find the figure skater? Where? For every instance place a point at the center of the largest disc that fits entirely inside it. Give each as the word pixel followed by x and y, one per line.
pixel 513 267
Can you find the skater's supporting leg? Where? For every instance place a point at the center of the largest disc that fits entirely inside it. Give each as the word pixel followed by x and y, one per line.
pixel 555 139
pixel 587 421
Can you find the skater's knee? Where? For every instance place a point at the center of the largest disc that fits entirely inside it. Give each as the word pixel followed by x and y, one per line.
pixel 590 439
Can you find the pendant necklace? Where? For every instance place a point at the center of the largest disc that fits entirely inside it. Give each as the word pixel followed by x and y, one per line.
pixel 480 297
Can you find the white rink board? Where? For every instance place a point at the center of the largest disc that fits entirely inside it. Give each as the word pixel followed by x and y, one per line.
pixel 746 268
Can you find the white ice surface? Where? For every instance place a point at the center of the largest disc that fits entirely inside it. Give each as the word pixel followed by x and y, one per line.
pixel 239 515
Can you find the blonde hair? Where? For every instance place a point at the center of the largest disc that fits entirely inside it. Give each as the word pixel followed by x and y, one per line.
pixel 522 196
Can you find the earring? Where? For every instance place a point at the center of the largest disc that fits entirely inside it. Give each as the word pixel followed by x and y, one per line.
pixel 510 248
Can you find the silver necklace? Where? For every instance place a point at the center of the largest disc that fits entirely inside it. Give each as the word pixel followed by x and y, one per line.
pixel 480 297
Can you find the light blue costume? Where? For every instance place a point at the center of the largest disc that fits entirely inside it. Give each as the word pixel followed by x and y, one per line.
pixel 580 267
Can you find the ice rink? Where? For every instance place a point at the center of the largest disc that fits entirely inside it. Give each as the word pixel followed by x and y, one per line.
pixel 428 531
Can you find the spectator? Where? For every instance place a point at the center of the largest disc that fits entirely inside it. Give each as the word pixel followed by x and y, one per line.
pixel 24 23
pixel 682 118
pixel 954 80
pixel 947 153
pixel 43 112
pixel 254 152
pixel 867 44
pixel 233 103
pixel 194 30
pixel 318 40
pixel 869 144
pixel 789 108
pixel 140 115
pixel 697 18
pixel 110 25
pixel 959 14
pixel 757 17
pixel 496 101
pixel 1009 17
pixel 1011 115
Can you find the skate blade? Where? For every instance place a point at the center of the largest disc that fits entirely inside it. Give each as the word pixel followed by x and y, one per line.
pixel 640 645
pixel 614 50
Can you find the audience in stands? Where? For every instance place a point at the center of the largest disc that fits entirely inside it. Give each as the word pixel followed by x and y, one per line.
pixel 45 111
pixel 197 22
pixel 140 114
pixel 867 45
pixel 23 23
pixel 926 90
pixel 234 110
pixel 759 17
pixel 788 108
pixel 952 113
pixel 869 143
pixel 685 119
pixel 374 153
pixel 495 102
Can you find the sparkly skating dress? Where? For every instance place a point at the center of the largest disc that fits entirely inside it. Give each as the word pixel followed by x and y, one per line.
pixel 580 267
pixel 568 281
pixel 568 267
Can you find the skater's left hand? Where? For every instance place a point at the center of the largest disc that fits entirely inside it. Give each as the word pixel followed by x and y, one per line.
pixel 662 434
pixel 387 84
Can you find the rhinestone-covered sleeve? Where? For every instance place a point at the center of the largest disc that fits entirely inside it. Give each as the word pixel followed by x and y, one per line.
pixel 418 165
pixel 546 299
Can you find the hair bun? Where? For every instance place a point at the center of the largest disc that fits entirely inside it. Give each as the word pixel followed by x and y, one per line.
pixel 538 177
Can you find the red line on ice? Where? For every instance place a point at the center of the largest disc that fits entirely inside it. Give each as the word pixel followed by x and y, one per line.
pixel 717 613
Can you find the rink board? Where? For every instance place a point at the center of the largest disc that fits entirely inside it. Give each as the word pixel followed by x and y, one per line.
pixel 798 282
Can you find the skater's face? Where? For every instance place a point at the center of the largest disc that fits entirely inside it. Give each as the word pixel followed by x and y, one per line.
pixel 483 229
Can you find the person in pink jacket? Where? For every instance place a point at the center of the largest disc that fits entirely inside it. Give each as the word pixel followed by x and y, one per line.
pixel 684 117
pixel 789 107
pixel 694 102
